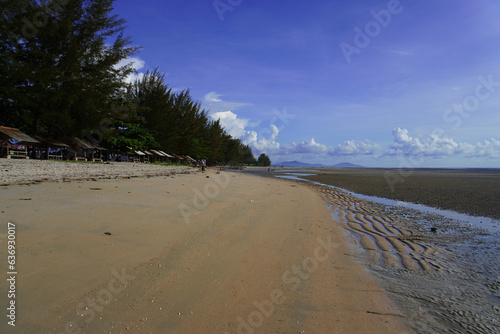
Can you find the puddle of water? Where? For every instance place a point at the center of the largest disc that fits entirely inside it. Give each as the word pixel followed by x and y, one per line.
pixel 291 177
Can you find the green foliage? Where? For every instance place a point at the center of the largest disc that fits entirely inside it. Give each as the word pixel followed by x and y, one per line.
pixel 59 75
pixel 131 132
pixel 180 125
pixel 264 160
pixel 58 64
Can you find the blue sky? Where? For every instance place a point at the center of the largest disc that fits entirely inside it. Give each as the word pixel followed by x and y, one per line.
pixel 411 83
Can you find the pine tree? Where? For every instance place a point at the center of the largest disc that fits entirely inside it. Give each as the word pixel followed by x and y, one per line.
pixel 264 160
pixel 60 74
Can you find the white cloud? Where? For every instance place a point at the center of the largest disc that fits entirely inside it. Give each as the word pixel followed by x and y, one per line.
pixel 215 104
pixel 212 97
pixel 234 126
pixel 436 146
pixel 350 147
pixel 136 63
pixel 305 147
pixel 264 142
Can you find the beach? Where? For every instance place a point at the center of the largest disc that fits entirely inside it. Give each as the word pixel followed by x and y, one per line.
pixel 440 267
pixel 182 251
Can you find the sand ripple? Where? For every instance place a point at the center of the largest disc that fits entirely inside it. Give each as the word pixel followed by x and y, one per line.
pixel 385 243
pixel 421 270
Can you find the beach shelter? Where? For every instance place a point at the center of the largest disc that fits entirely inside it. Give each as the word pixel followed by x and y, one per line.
pixel 14 143
pixel 135 155
pixel 141 156
pixel 190 161
pixel 180 159
pixel 149 156
pixel 158 156
pixel 54 149
pixel 168 157
pixel 79 147
pixel 98 153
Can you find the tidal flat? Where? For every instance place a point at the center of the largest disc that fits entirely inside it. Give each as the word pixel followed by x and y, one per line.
pixel 474 192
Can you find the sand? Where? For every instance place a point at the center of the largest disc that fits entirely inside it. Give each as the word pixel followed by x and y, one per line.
pixel 230 253
pixel 17 171
pixel 443 282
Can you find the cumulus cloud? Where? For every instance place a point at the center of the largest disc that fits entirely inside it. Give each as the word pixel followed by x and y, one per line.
pixel 234 126
pixel 305 147
pixel 264 141
pixel 136 63
pixel 436 146
pixel 432 146
pixel 350 147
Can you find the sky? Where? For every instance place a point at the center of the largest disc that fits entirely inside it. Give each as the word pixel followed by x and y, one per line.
pixel 410 83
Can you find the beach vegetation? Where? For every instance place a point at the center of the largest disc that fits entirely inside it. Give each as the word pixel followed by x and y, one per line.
pixel 63 71
pixel 59 62
pixel 264 160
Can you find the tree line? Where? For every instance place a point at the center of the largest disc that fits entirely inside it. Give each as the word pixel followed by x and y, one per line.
pixel 60 76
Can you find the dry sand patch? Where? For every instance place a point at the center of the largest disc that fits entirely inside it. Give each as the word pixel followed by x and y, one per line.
pixel 252 260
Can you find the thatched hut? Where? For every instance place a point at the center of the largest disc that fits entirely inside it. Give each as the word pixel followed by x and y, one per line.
pixel 52 149
pixel 15 143
pixel 81 149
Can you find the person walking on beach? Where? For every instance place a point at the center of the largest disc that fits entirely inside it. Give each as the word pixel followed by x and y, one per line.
pixel 203 165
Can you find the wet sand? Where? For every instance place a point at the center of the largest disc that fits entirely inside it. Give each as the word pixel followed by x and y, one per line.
pixel 230 253
pixel 474 192
pixel 444 282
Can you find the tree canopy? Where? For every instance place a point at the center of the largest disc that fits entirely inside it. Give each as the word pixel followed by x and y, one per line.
pixel 59 64
pixel 264 160
pixel 62 73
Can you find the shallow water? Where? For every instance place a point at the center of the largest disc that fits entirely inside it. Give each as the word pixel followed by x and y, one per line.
pixel 293 176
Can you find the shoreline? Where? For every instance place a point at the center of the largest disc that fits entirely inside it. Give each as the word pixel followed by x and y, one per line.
pixel 469 192
pixel 445 281
pixel 238 264
pixel 472 192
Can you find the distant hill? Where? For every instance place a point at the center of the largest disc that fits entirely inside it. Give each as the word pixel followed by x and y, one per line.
pixel 307 165
pixel 347 165
pixel 296 164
